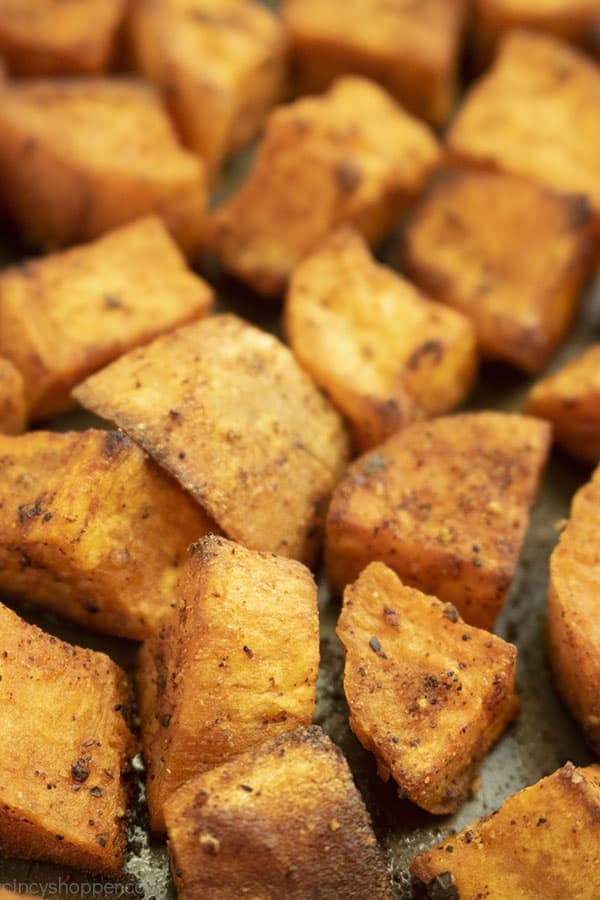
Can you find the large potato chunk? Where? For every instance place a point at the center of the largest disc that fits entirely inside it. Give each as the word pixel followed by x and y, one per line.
pixel 541 845
pixel 383 352
pixel 221 64
pixel 13 406
pixel 81 156
pixel 227 410
pixel 428 695
pixel 445 504
pixel 570 400
pixel 92 529
pixel 465 248
pixel 65 743
pixel 573 622
pixel 411 48
pixel 236 665
pixel 285 820
pixel 349 156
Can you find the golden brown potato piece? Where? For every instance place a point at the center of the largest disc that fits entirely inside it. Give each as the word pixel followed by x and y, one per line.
pixel 236 665
pixel 573 623
pixel 570 400
pixel 349 156
pixel 64 316
pixel 221 64
pixel 285 820
pixel 542 843
pixel 382 352
pixel 92 529
pixel 509 254
pixel 428 695
pixel 411 48
pixel 13 406
pixel 81 156
pixel 227 410
pixel 445 504
pixel 65 743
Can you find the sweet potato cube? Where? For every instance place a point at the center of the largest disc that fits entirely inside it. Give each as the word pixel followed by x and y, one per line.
pixel 66 315
pixel 220 63
pixel 349 156
pixel 570 400
pixel 226 409
pixel 383 352
pixel 411 48
pixel 542 842
pixel 92 529
pixel 65 743
pixel 236 664
pixel 445 504
pixel 285 820
pixel 13 406
pixel 79 157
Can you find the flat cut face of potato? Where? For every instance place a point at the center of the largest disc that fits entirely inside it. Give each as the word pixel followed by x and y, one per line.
pixel 284 820
pixel 65 742
pixel 13 406
pixel 350 156
pixel 445 504
pixel 465 247
pixel 227 410
pixel 542 842
pixel 236 665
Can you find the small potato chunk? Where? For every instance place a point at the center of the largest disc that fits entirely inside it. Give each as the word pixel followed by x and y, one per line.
pixel 428 695
pixel 79 157
pixel 92 529
pixel 236 665
pixel 65 744
pixel 382 351
pixel 64 316
pixel 13 406
pixel 411 48
pixel 570 400
pixel 465 247
pixel 445 504
pixel 226 409
pixel 284 820
pixel 573 622
pixel 51 37
pixel 349 156
pixel 542 844
pixel 221 64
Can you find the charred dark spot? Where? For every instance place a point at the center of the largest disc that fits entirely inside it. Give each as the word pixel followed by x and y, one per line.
pixel 249 653
pixel 347 176
pixel 80 771
pixel 431 351
pixel 112 302
pixel 451 613
pixel 113 442
pixel 29 511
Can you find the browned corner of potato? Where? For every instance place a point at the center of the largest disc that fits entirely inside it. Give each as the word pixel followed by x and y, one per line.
pixel 65 744
pixel 428 695
pixel 382 351
pixel 92 529
pixel 285 820
pixel 350 156
pixel 511 255
pixel 570 400
pixel 446 505
pixel 542 842
pixel 13 404
pixel 236 665
pixel 228 411
pixel 573 623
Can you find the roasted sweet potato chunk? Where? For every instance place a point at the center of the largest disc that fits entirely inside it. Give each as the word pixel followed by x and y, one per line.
pixel 570 400
pixel 384 353
pixel 236 665
pixel 428 695
pixel 466 246
pixel 65 743
pixel 285 820
pixel 445 504
pixel 542 842
pixel 92 529
pixel 227 410
pixel 79 157
pixel 13 407
pixel 349 156
pixel 221 64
